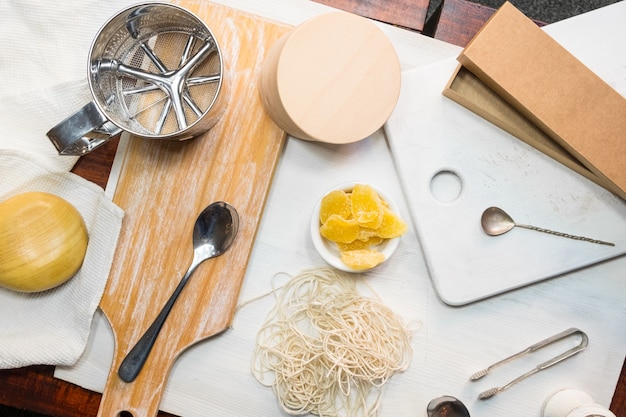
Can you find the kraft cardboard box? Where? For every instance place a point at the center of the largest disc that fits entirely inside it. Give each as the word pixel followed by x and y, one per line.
pixel 470 92
pixel 569 105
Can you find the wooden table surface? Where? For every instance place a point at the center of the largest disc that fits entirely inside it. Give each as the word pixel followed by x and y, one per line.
pixel 33 391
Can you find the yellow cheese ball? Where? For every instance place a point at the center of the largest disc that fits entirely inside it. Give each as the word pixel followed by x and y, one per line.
pixel 43 241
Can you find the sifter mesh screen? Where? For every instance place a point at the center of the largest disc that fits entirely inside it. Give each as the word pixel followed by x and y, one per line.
pixel 134 72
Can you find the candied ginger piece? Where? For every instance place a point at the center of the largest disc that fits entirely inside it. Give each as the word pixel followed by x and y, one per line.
pixel 366 233
pixel 338 229
pixel 360 244
pixel 392 226
pixel 335 202
pixel 367 207
pixel 362 259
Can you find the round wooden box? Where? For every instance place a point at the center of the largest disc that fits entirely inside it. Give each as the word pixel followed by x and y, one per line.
pixel 334 78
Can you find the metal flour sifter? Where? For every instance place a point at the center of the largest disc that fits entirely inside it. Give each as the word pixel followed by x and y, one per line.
pixel 156 71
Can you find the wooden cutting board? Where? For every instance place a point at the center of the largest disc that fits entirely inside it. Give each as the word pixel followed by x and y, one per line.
pixel 162 187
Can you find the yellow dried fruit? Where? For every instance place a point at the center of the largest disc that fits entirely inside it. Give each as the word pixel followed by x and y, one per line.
pixel 366 233
pixel 367 207
pixel 338 229
pixel 360 244
pixel 358 221
pixel 362 259
pixel 392 226
pixel 335 202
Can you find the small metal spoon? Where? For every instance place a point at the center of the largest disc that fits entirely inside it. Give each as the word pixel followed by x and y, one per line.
pixel 446 406
pixel 213 233
pixel 496 221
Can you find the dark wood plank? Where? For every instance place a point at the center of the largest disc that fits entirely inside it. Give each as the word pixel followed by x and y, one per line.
pixel 410 14
pixel 35 389
pixel 96 166
pixel 457 21
pixel 618 404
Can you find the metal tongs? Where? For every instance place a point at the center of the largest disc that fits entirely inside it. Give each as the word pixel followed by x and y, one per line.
pixel 569 332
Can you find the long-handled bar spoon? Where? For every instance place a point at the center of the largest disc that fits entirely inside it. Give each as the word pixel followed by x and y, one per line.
pixel 496 221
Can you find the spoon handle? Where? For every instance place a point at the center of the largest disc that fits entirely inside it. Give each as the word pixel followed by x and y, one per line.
pixel 136 358
pixel 552 232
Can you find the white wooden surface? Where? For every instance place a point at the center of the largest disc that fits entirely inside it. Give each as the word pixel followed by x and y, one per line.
pixel 213 377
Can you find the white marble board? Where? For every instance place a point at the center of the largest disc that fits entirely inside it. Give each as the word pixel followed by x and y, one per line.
pixel 442 149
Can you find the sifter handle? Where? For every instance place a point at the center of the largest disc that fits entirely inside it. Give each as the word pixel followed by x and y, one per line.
pixel 83 131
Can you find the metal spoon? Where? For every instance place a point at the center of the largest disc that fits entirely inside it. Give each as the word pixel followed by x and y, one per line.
pixel 496 221
pixel 213 233
pixel 446 406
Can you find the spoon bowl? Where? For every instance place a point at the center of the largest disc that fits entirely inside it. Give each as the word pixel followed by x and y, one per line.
pixel 496 222
pixel 446 406
pixel 213 233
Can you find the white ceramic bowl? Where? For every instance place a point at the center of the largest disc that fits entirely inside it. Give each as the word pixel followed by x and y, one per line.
pixel 328 250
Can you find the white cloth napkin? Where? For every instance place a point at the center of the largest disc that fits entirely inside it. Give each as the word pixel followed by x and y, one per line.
pixel 52 327
pixel 43 68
